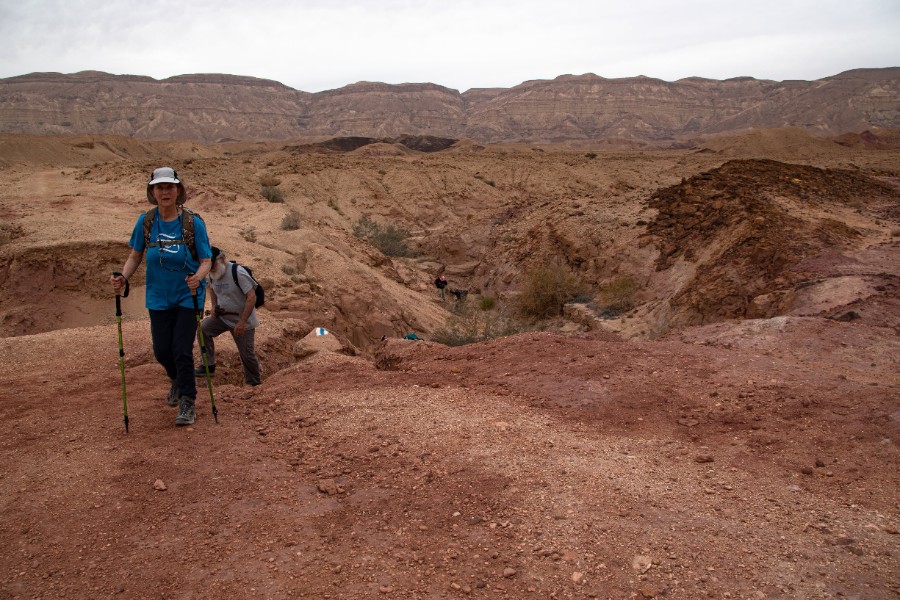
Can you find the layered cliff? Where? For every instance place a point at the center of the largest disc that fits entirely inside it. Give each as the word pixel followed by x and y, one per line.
pixel 214 107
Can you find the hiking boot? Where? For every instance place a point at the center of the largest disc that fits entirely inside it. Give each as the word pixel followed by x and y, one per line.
pixel 201 372
pixel 186 414
pixel 172 398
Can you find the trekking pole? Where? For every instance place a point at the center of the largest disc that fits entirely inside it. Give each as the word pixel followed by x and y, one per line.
pixel 212 401
pixel 122 349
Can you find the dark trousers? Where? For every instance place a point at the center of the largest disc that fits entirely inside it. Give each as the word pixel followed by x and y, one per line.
pixel 173 332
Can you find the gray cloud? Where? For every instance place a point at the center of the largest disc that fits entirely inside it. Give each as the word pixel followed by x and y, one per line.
pixel 317 44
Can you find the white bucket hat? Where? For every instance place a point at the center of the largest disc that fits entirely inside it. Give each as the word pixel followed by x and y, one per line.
pixel 165 175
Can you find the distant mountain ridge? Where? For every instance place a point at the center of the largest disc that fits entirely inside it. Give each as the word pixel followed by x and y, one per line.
pixel 216 107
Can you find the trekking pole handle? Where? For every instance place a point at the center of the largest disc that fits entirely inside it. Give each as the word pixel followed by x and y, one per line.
pixel 127 285
pixel 118 297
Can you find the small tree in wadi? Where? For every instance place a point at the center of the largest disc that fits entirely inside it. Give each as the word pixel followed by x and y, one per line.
pixel 390 240
pixel 469 325
pixel 620 295
pixel 546 289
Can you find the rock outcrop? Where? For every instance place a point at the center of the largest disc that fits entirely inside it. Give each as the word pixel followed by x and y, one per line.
pixel 214 107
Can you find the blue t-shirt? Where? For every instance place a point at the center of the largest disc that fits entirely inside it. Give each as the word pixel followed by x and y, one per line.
pixel 167 266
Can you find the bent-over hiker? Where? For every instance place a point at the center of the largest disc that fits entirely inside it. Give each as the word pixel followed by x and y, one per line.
pixel 233 297
pixel 178 259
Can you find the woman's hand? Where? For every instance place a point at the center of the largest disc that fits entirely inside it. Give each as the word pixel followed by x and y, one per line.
pixel 118 282
pixel 193 282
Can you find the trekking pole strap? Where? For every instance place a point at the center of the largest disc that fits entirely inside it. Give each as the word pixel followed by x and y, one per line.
pixel 127 288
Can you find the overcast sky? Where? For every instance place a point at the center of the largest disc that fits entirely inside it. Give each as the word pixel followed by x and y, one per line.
pixel 314 45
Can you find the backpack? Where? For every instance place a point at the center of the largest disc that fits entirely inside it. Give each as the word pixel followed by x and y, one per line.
pixel 260 292
pixel 187 230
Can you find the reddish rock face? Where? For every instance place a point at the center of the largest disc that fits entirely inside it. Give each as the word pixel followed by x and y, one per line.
pixel 217 107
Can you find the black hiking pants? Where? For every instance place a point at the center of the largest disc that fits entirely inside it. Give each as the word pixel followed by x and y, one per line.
pixel 173 331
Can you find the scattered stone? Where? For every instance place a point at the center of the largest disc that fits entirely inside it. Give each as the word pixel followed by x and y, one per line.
pixel 688 422
pixel 641 563
pixel 577 577
pixel 159 485
pixel 328 486
pixel 844 541
pixel 704 458
pixel 386 589
pixel 820 463
pixel 649 591
pixel 509 572
pixel 806 470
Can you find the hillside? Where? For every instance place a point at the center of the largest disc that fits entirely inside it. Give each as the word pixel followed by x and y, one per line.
pixel 586 107
pixel 728 427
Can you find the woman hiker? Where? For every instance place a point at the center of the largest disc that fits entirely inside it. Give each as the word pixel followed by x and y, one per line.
pixel 178 260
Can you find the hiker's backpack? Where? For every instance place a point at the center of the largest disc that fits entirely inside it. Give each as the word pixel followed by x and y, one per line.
pixel 187 230
pixel 260 292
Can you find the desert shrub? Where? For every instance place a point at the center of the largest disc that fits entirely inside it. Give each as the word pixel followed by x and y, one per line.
pixel 9 232
pixel 289 269
pixel 269 181
pixel 486 302
pixel 619 296
pixel 490 182
pixel 468 326
pixel 333 205
pixel 272 194
pixel 389 239
pixel 546 289
pixel 591 155
pixel 249 234
pixel 291 221
pixel 895 233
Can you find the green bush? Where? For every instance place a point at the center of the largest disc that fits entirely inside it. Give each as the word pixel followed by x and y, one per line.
pixel 291 221
pixel 468 326
pixel 486 302
pixel 546 290
pixel 390 240
pixel 9 232
pixel 272 193
pixel 619 296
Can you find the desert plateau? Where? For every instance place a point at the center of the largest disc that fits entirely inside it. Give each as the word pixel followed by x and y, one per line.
pixel 710 411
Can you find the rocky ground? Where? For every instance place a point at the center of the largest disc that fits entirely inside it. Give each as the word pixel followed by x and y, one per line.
pixel 693 446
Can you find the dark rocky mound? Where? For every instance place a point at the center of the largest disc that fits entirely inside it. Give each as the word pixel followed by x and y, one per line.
pixel 421 143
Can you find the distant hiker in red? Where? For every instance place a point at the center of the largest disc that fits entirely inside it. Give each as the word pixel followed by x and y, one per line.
pixel 440 283
pixel 232 292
